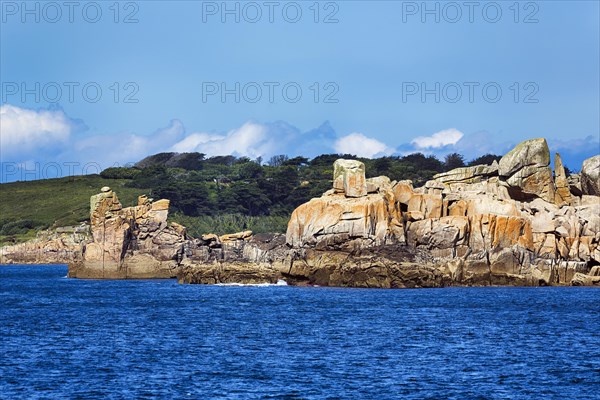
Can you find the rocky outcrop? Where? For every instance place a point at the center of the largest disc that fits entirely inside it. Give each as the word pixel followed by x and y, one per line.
pixel 591 279
pixel 349 178
pixel 58 246
pixel 505 224
pixel 133 242
pixel 590 176
pixel 563 188
pixel 526 171
pixel 509 223
pixel 468 175
pixel 337 220
pixel 574 181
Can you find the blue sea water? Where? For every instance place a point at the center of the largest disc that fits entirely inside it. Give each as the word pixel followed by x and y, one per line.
pixel 67 338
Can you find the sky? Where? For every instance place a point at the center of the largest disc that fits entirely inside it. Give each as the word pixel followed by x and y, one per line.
pixel 89 85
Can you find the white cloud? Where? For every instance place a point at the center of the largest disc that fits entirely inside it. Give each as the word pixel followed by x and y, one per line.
pixel 251 140
pixel 195 141
pixel 361 146
pixel 23 130
pixel 130 147
pixel 439 139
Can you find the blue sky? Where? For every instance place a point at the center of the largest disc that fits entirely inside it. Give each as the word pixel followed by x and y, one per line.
pixel 376 77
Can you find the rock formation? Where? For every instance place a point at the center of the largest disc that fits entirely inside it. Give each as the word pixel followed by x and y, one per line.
pixel 339 220
pixel 526 171
pixel 590 176
pixel 58 246
pixel 484 225
pixel 349 178
pixel 133 242
pixel 510 223
pixel 563 189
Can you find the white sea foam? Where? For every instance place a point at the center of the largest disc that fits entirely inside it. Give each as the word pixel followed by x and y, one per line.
pixel 280 282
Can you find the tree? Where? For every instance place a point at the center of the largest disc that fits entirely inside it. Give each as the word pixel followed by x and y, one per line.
pixel 282 181
pixel 150 177
pixel 453 160
pixel 250 170
pixel 188 161
pixel 381 166
pixel 328 159
pixel 423 163
pixel 155 160
pixel 120 173
pixel 227 202
pixel 189 198
pixel 222 160
pixel 251 199
pixel 243 160
pixel 486 159
pixel 277 161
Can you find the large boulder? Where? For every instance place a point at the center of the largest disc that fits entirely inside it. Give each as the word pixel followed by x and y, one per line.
pixel 526 171
pixel 334 220
pixel 590 176
pixel 349 178
pixel 533 152
pixel 357 213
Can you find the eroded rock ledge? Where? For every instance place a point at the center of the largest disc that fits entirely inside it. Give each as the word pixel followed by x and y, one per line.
pixel 514 222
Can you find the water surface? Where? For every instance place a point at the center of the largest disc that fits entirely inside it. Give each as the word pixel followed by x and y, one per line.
pixel 68 338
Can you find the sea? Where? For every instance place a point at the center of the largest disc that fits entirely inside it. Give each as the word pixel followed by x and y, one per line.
pixel 64 338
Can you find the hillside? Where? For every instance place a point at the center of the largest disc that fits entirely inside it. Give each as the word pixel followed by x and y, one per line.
pixel 26 207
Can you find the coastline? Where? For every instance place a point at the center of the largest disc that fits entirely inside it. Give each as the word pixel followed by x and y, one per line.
pixel 515 222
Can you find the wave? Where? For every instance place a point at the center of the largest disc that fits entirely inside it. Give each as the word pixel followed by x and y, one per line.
pixel 280 282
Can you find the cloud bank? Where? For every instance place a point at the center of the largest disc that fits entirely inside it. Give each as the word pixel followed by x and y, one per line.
pixel 38 136
pixel 251 140
pixel 24 130
pixel 362 146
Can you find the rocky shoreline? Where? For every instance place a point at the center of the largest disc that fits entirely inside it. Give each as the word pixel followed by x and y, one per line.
pixel 515 222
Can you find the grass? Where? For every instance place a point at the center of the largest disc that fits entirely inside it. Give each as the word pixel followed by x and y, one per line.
pixel 51 203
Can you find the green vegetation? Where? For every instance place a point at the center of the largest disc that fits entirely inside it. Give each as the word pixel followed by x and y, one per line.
pixel 26 207
pixel 229 223
pixel 218 194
